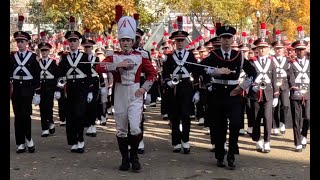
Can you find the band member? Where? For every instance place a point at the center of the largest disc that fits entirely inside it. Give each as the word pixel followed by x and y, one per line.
pixel 63 99
pixel 264 92
pixel 127 66
pixel 106 83
pixel 209 121
pixel 48 78
pixel 176 74
pixel 281 113
pixel 79 88
pixel 225 100
pixel 245 106
pixel 137 47
pixel 25 77
pixel 92 107
pixel 166 47
pixel 300 94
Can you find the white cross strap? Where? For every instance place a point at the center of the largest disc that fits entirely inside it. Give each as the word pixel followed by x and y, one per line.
pixel 21 66
pixel 280 71
pixel 93 71
pixel 302 76
pixel 74 68
pixel 263 72
pixel 180 66
pixel 45 74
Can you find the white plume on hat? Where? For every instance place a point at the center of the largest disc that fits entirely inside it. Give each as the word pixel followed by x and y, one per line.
pixel 127 27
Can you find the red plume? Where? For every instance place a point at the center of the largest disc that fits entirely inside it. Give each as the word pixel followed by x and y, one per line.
pixel 278 32
pixel 136 16
pixel 87 30
pixel 175 26
pixel 263 25
pixel 166 34
pixel 212 31
pixel 43 34
pixel 72 23
pixel 20 22
pixel 118 12
pixel 20 18
pixel 218 25
pixel 243 34
pixel 299 28
pixel 72 19
pixel 179 21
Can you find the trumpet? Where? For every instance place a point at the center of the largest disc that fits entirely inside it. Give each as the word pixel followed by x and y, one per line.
pixel 304 88
pixel 175 80
pixel 262 85
pixel 62 81
pixel 279 82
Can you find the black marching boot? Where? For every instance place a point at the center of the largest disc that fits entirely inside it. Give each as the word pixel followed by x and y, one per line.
pixel 134 159
pixel 123 147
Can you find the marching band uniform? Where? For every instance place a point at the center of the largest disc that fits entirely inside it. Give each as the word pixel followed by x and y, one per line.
pixel 128 107
pixel 48 79
pixel 225 100
pixel 63 99
pixel 209 121
pixel 180 95
pixel 300 95
pixel 92 107
pixel 25 77
pixel 163 86
pixel 79 91
pixel 281 113
pixel 139 34
pixel 264 95
pixel 106 83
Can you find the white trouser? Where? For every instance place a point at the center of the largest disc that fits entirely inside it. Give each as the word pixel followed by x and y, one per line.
pixel 127 109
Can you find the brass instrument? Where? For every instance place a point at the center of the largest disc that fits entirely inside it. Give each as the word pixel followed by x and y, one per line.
pixel 304 88
pixel 197 64
pixel 262 84
pixel 279 82
pixel 62 81
pixel 175 80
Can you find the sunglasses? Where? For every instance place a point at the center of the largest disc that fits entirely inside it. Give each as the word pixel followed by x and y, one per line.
pixel 72 40
pixel 43 50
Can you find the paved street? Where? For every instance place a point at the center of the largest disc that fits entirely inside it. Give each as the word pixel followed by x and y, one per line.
pixel 53 159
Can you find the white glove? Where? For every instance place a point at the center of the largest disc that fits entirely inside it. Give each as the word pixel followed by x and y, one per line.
pixel 210 70
pixel 148 99
pixel 170 84
pixel 210 88
pixel 104 91
pixel 90 97
pixel 36 99
pixel 196 98
pixel 255 88
pixel 275 102
pixel 57 95
pixel 109 91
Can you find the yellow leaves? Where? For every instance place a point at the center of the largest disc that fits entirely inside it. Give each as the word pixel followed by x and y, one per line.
pixel 95 14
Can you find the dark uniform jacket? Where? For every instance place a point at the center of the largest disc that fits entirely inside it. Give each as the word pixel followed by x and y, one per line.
pixel 301 80
pixel 272 90
pixel 25 87
pixel 235 63
pixel 81 86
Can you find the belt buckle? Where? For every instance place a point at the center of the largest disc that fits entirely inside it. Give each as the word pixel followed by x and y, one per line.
pixel 21 78
pixel 74 76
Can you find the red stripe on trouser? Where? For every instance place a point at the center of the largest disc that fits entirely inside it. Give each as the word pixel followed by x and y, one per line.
pixel 260 95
